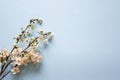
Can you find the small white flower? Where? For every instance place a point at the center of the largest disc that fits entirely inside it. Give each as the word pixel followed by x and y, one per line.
pixel 41 31
pixel 25 60
pixel 15 70
pixel 41 38
pixel 50 36
pixel 18 61
pixel 36 58
pixel 15 44
pixel 5 53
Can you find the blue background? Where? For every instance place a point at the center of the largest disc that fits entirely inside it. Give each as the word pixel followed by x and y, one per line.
pixel 86 44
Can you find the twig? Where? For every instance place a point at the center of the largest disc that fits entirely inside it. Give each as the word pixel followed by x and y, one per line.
pixel 5 65
pixel 5 75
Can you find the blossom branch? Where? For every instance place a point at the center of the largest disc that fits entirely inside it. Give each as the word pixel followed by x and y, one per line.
pixel 19 56
pixel 17 40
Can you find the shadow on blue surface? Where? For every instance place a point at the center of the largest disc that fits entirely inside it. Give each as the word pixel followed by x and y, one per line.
pixel 28 70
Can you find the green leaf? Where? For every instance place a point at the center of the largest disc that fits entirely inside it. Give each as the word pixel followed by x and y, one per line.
pixel 49 33
pixel 40 21
pixel 32 26
pixel 22 55
pixel 21 40
pixel 41 32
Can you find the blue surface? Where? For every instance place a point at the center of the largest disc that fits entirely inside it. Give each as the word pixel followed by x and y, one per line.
pixel 86 44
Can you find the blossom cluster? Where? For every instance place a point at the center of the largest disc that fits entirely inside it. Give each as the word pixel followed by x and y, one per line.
pixel 19 56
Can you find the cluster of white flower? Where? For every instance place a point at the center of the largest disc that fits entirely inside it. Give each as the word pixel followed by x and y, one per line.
pixel 24 58
pixel 18 56
pixel 3 56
